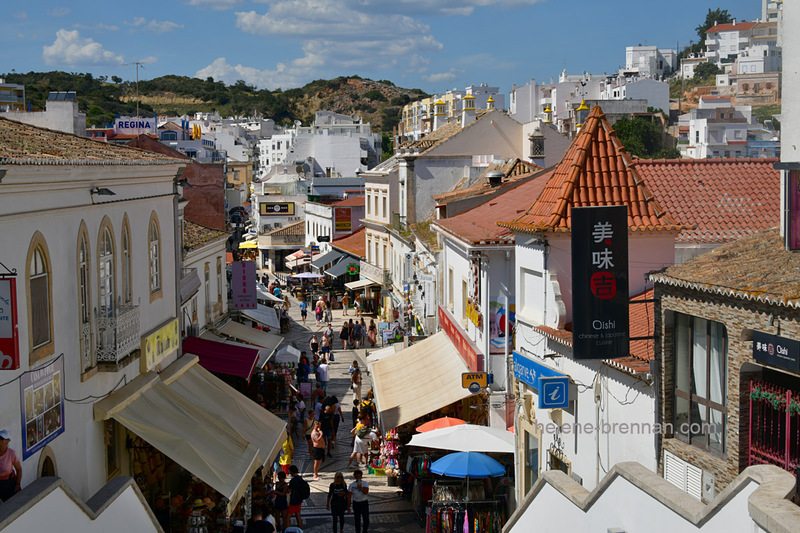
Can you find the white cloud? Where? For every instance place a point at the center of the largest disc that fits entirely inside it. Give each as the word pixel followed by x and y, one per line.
pixel 440 77
pixel 97 27
pixel 442 7
pixel 20 15
pixel 59 11
pixel 71 49
pixel 221 70
pixel 157 26
pixel 215 4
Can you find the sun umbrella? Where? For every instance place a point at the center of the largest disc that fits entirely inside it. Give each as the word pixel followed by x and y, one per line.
pixel 248 244
pixel 437 423
pixel 466 438
pixel 307 275
pixel 467 464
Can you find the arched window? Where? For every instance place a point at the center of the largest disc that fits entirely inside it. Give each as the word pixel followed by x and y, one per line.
pixel 84 303
pixel 106 269
pixel 127 289
pixel 40 298
pixel 155 256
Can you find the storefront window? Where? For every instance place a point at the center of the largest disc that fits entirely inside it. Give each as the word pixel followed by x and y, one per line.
pixel 700 355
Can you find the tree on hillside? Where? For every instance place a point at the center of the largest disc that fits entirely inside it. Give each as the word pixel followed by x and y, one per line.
pixel 718 16
pixel 642 137
pixel 704 70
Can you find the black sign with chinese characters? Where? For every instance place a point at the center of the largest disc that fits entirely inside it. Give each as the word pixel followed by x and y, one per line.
pixel 776 351
pixel 600 282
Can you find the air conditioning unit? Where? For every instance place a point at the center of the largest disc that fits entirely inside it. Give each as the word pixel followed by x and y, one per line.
pixel 277 225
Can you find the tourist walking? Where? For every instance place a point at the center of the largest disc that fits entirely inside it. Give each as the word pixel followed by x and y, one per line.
pixel 325 345
pixel 296 494
pixel 318 311
pixel 357 304
pixel 303 310
pixel 355 383
pixel 308 427
pixel 358 501
pixel 337 501
pixel 313 344
pixel 323 371
pixel 372 333
pixel 344 335
pixel 281 501
pixel 345 303
pixel 358 334
pixel 318 442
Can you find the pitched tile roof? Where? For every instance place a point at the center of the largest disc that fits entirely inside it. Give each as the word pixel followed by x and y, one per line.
pixel 755 267
pixel 355 244
pixel 440 135
pixel 596 170
pixel 298 228
pixel 23 144
pixel 742 26
pixel 514 169
pixel 479 225
pixel 640 316
pixel 195 235
pixel 717 200
pixel 353 201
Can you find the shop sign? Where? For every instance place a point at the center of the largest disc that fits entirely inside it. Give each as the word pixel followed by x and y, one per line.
pixel 324 238
pixel 530 372
pixel 135 125
pixel 553 392
pixel 276 208
pixel 600 282
pixel 159 345
pixel 466 348
pixel 793 220
pixel 341 217
pixel 244 285
pixel 353 269
pixel 9 341
pixel 776 351
pixel 41 397
pixel 474 381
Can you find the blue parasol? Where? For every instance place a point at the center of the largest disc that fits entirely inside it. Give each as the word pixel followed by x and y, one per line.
pixel 467 465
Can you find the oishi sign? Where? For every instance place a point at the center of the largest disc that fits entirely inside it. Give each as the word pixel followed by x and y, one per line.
pixel 600 282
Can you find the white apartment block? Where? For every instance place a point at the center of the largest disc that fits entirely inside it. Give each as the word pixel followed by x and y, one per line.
pixel 650 61
pixel 717 129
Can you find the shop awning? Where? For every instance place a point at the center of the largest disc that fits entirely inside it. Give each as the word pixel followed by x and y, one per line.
pixel 198 421
pixel 264 294
pixel 359 284
pixel 339 269
pixel 325 259
pixel 267 341
pixel 292 263
pixel 418 380
pixel 264 315
pixel 296 255
pixel 223 358
pixel 263 353
pixel 383 353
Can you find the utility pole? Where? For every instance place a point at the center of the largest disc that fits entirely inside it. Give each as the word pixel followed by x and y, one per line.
pixel 138 64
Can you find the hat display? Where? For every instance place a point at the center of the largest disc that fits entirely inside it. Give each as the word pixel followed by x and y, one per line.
pixel 4 434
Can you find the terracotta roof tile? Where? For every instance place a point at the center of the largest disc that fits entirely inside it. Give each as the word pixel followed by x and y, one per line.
pixel 479 225
pixel 355 244
pixel 23 144
pixel 742 26
pixel 596 170
pixel 298 228
pixel 717 200
pixel 353 201
pixel 195 235
pixel 755 267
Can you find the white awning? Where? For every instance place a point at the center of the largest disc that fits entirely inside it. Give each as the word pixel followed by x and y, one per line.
pixel 201 423
pixel 288 354
pixel 265 343
pixel 383 353
pixel 264 294
pixel 418 380
pixel 264 315
pixel 359 284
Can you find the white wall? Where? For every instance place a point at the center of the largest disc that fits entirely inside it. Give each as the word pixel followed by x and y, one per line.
pixel 790 111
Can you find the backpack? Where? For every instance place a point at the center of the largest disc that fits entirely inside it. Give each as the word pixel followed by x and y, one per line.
pixel 303 489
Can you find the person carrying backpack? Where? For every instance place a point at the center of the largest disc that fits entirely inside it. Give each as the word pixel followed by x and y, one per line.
pixel 299 490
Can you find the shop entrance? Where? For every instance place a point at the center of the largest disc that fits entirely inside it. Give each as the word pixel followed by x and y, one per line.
pixel 774 423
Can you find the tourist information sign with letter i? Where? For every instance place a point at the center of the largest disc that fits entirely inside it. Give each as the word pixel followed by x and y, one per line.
pixel 600 282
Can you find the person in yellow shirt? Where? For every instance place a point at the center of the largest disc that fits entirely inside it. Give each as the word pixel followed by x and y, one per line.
pixel 287 456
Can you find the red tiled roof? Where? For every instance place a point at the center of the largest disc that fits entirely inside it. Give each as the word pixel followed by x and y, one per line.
pixel 742 26
pixel 683 129
pixel 641 325
pixel 355 244
pixel 353 201
pixel 595 171
pixel 479 225
pixel 717 200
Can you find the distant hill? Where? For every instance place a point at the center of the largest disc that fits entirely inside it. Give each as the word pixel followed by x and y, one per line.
pixel 377 102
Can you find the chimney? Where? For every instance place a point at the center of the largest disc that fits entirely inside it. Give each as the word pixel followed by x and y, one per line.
pixel 495 177
pixel 439 116
pixel 467 110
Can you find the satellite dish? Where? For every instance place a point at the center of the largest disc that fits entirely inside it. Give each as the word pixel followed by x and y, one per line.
pixel 355 117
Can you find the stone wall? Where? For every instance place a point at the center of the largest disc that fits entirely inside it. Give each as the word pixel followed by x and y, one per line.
pixel 740 317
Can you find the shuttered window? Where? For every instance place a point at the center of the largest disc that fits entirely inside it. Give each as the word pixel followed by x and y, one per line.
pixel 40 299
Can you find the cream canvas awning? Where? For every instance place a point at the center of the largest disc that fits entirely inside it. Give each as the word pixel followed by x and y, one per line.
pixel 359 284
pixel 201 423
pixel 418 380
pixel 263 315
pixel 268 341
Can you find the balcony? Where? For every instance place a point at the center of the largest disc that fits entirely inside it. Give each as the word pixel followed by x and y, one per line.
pixel 380 276
pixel 118 335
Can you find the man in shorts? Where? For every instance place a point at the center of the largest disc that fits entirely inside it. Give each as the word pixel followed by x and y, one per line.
pixel 318 442
pixel 295 499
pixel 303 310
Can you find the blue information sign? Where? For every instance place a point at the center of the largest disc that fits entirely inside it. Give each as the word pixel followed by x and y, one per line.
pixel 554 392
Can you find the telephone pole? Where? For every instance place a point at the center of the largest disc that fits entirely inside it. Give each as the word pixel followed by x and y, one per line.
pixel 138 64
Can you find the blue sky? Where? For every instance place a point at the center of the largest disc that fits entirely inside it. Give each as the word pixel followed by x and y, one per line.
pixel 433 45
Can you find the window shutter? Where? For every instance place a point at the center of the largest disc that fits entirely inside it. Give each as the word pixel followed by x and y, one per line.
pixel 685 476
pixel 694 481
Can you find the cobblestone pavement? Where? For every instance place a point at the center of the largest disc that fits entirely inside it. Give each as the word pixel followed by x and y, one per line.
pixel 389 512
